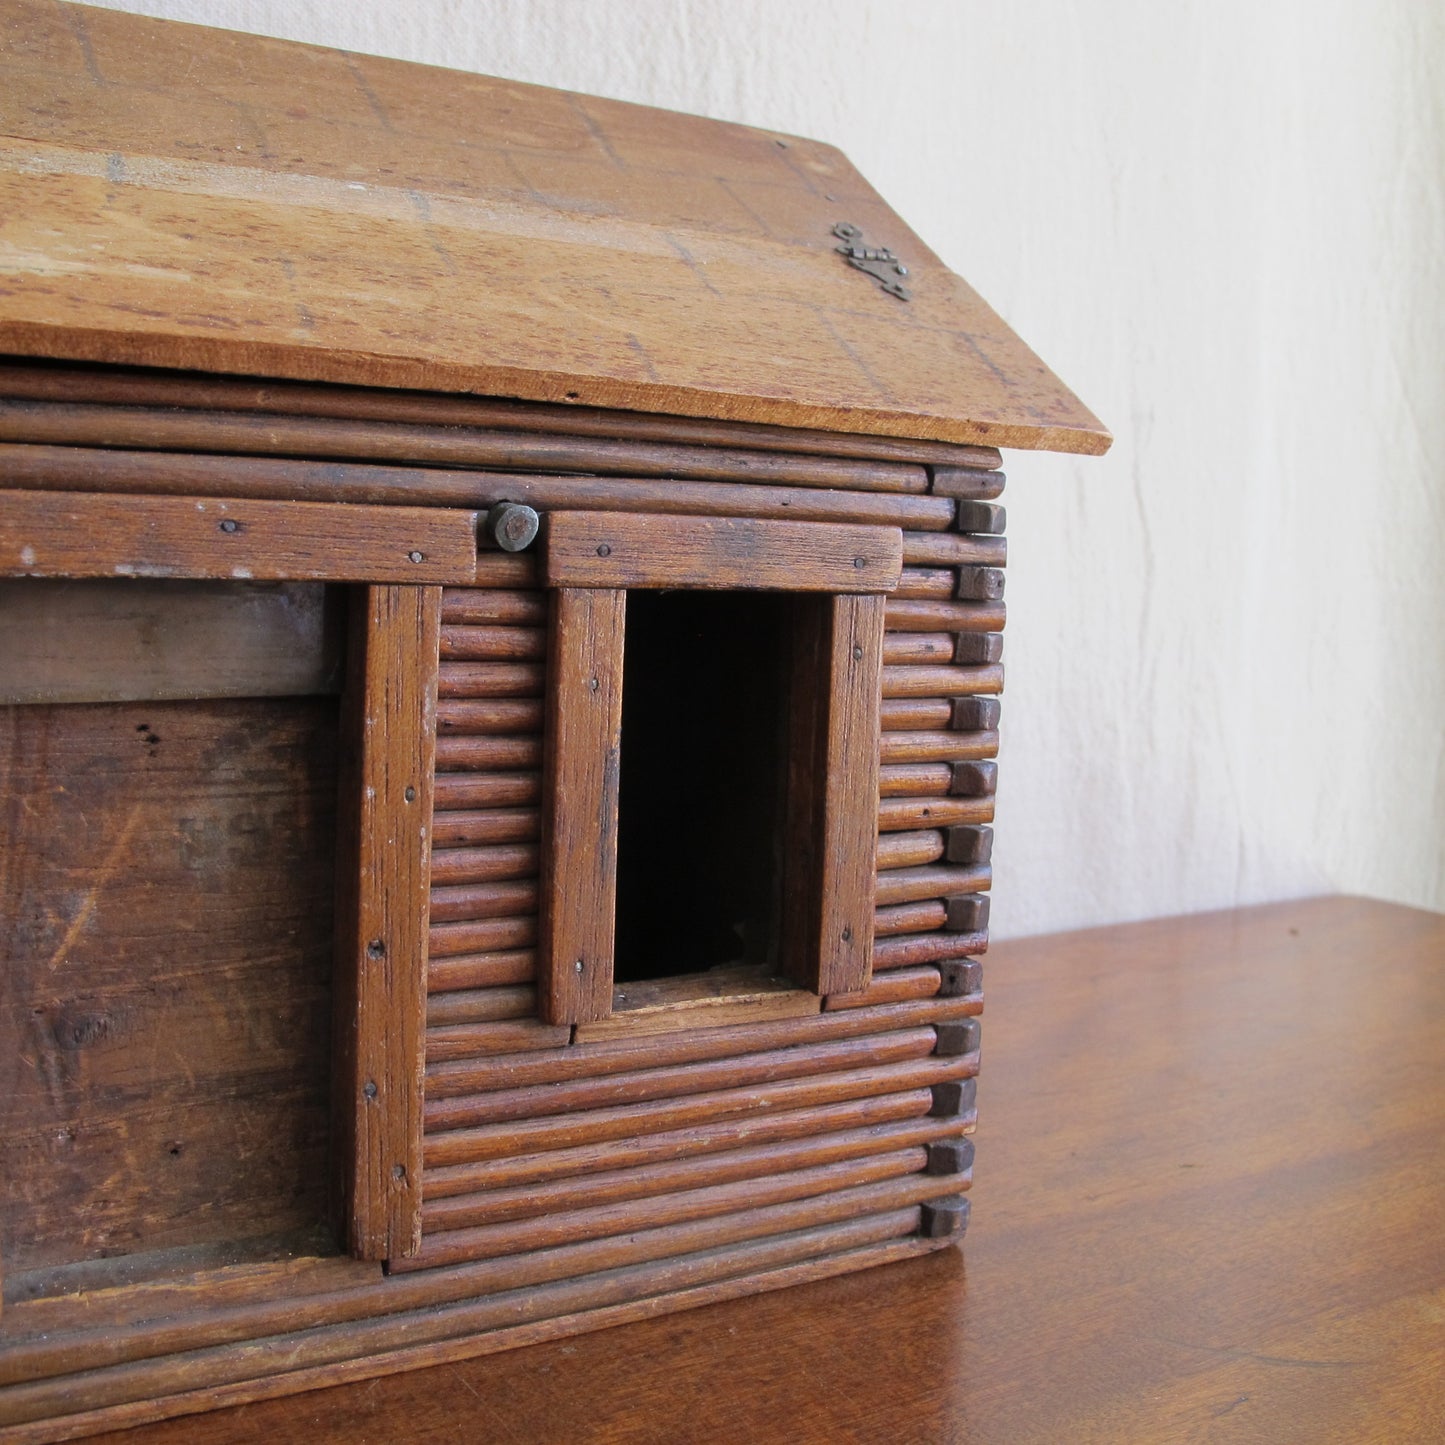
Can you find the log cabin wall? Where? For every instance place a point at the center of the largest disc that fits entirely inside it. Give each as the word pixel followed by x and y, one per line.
pixel 577 1176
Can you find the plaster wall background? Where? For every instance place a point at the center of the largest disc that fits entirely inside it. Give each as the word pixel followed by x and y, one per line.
pixel 1223 224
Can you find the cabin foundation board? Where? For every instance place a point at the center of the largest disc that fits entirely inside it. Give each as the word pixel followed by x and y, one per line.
pixel 495 837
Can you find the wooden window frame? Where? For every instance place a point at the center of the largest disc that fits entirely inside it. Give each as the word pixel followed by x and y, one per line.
pixel 591 561
pixel 398 558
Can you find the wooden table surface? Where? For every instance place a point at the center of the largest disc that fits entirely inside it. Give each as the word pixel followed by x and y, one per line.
pixel 1209 1205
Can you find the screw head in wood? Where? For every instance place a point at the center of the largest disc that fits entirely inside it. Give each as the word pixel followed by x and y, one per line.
pixel 230 525
pixel 413 557
pixel 512 526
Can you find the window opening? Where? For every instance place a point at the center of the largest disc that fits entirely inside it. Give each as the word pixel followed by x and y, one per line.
pixel 703 777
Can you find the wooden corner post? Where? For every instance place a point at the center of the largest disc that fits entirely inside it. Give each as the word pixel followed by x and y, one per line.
pixel 382 916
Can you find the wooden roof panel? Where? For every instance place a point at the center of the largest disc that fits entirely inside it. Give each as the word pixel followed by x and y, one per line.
pixel 177 196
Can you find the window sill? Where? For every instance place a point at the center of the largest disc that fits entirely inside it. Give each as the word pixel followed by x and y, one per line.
pixel 719 997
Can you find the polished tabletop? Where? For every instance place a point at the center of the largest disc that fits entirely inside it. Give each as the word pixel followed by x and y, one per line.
pixel 1209 1205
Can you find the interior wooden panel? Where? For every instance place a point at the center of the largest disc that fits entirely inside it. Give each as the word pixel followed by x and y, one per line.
pixel 239 204
pixel 136 640
pixel 164 1036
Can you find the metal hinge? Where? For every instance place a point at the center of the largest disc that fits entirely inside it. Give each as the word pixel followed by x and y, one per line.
pixel 879 262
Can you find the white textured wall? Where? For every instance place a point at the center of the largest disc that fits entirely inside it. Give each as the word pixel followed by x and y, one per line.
pixel 1223 223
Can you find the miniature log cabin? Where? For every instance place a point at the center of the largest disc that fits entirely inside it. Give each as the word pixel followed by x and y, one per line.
pixel 500 624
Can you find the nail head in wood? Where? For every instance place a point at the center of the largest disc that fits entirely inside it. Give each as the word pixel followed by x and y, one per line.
pixel 970 648
pixel 511 526
pixel 975 714
pixel 973 780
pixel 959 977
pixel 944 1217
pixel 968 843
pixel 979 584
pixel 986 517
pixel 957 1037
pixel 968 913
pixel 949 1156
pixel 953 1097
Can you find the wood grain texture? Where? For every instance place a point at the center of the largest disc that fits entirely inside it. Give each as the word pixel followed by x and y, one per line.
pixel 491 679
pixel 484 753
pixel 908 850
pixel 133 1077
pixel 489 1241
pixel 37 467
pixel 922 747
pixel 922 615
pixel 904 885
pixel 154 429
pixel 717 998
pixel 140 387
pixel 950 549
pixel 701 252
pixel 920 681
pixel 495 1205
pixel 1312 1316
pixel 494 1141
pixel 462 827
pixel 903 812
pixel 966 482
pixel 110 640
pixel 481 970
pixel 475 1041
pixel 833 778
pixel 47 534
pixel 463 1332
pixel 620 1054
pixel 382 930
pixel 579 812
pixel 608 549
pixel 654 1080
pixel 322 1290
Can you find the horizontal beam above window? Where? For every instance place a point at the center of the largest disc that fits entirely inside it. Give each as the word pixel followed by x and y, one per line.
pixel 79 534
pixel 617 550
